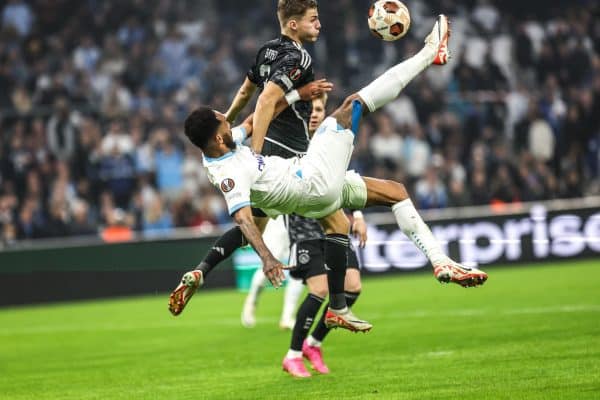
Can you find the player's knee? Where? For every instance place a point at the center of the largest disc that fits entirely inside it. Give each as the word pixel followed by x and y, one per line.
pixel 400 190
pixel 353 287
pixel 343 114
pixel 396 191
pixel 318 286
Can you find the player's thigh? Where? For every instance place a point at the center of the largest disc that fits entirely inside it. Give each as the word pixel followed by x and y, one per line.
pixel 335 223
pixel 326 161
pixel 317 285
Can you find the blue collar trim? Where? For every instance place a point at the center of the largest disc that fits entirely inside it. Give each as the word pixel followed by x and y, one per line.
pixel 223 157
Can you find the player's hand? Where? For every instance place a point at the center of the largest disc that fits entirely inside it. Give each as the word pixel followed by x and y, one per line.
pixel 359 230
pixel 273 270
pixel 314 89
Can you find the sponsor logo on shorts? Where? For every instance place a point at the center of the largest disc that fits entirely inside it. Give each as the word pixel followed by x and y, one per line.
pixel 303 256
pixel 227 185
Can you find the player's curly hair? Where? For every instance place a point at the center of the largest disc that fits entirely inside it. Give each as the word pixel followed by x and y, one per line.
pixel 201 125
pixel 287 9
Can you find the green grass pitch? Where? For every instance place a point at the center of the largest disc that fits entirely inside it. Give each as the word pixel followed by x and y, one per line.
pixel 529 333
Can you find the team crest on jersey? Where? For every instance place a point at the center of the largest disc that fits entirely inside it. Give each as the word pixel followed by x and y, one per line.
pixel 295 74
pixel 303 256
pixel 227 185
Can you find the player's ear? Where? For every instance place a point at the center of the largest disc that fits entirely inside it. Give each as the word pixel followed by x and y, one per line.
pixel 293 24
pixel 218 138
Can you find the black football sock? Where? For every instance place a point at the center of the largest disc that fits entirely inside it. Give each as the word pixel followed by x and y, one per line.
pixel 304 320
pixel 336 258
pixel 321 330
pixel 222 249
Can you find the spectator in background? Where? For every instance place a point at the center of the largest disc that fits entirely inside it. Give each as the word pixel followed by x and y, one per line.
pixel 118 226
pixel 480 194
pixel 30 222
pixel 17 14
pixel 502 187
pixel 117 172
pixel 117 137
pixel 143 152
pixel 86 55
pixel 386 143
pixel 416 152
pixel 61 130
pixel 458 194
pixel 169 165
pixel 430 192
pixel 156 219
pixel 81 224
pixel 541 140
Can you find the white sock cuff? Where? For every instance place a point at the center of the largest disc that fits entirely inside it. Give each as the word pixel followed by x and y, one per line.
pixel 366 98
pixel 312 341
pixel 293 354
pixel 402 204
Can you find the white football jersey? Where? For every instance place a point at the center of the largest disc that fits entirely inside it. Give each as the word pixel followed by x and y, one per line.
pixel 271 183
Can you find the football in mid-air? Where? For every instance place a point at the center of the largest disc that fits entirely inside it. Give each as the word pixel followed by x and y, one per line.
pixel 389 19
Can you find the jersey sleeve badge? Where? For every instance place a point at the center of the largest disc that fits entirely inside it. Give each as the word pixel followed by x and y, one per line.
pixel 295 74
pixel 227 185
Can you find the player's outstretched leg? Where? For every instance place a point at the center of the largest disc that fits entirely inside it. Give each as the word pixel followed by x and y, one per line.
pixel 393 194
pixel 190 282
pixel 388 86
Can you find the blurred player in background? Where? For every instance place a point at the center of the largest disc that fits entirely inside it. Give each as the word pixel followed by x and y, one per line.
pixel 307 263
pixel 276 238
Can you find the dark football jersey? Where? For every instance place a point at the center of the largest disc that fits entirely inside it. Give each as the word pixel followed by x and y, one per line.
pixel 288 65
pixel 301 228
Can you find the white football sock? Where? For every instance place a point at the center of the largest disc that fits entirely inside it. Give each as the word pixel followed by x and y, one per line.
pixel 388 86
pixel 293 290
pixel 414 227
pixel 258 282
pixel 293 354
pixel 311 341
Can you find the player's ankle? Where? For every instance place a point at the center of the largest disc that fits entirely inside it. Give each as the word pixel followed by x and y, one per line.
pixel 311 341
pixel 339 310
pixel 293 354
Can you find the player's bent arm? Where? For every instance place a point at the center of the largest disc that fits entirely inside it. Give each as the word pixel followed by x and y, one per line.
pixel 264 113
pixel 307 92
pixel 272 268
pixel 281 105
pixel 242 97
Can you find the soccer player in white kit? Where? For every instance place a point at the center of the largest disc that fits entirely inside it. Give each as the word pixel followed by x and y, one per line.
pixel 319 185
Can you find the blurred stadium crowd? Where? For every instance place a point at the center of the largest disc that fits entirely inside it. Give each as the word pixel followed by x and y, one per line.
pixel 93 94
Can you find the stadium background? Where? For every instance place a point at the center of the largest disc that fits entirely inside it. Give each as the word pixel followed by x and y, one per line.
pixel 501 148
pixel 94 93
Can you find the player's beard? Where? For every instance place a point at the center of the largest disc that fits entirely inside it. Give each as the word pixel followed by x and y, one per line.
pixel 228 140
